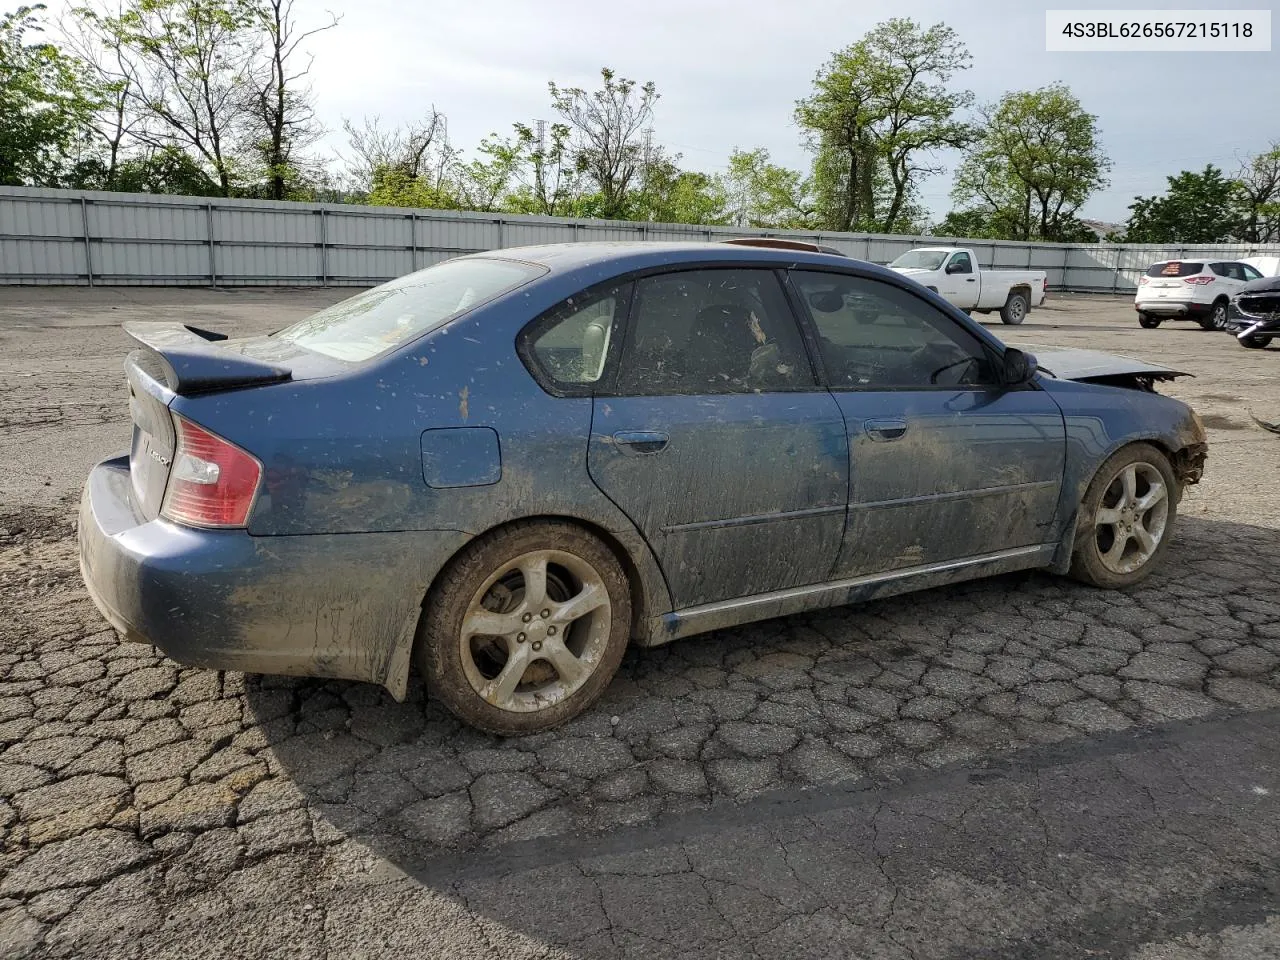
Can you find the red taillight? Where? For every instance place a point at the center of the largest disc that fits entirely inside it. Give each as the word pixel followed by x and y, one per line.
pixel 1142 281
pixel 1199 281
pixel 212 483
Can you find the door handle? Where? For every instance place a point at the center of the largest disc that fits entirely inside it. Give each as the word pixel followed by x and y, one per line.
pixel 885 429
pixel 971 280
pixel 636 443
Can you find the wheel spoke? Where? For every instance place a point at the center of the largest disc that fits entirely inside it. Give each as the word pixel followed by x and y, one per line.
pixel 572 671
pixel 1153 496
pixel 499 690
pixel 1107 517
pixel 592 596
pixel 1146 540
pixel 534 570
pixel 1112 556
pixel 1129 479
pixel 486 623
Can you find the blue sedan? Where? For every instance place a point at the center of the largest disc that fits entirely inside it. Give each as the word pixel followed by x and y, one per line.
pixel 508 466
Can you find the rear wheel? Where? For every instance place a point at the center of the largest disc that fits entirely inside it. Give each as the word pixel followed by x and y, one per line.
pixel 1126 518
pixel 1149 322
pixel 1015 309
pixel 1254 343
pixel 526 629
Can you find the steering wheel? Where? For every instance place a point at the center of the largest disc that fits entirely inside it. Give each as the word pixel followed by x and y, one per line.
pixel 933 353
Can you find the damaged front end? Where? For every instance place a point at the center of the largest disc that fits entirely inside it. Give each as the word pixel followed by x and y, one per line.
pixel 1105 369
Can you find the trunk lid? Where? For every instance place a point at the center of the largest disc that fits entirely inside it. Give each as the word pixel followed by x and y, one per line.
pixel 171 360
pixel 151 450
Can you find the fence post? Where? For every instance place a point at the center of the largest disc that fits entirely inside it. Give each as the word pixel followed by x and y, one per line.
pixel 1066 267
pixel 213 264
pixel 324 250
pixel 413 242
pixel 88 250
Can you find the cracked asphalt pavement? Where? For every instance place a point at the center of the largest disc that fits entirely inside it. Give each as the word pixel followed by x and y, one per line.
pixel 1019 767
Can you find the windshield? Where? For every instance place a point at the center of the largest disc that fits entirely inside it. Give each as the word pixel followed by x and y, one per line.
pixel 378 320
pixel 920 260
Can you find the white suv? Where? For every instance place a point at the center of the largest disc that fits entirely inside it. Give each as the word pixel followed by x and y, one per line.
pixel 1190 290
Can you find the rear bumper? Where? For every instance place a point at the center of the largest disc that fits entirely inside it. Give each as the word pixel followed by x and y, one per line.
pixel 1173 308
pixel 332 606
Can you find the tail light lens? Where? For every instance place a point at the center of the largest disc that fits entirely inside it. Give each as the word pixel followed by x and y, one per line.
pixel 1143 281
pixel 1198 281
pixel 212 483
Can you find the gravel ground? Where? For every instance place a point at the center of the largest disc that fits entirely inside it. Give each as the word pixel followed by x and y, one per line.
pixel 1021 767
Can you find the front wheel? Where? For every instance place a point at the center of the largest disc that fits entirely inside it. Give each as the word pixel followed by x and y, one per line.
pixel 1254 343
pixel 526 628
pixel 1125 518
pixel 1147 322
pixel 1015 309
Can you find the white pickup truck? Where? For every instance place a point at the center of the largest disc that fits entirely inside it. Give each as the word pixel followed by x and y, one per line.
pixel 953 274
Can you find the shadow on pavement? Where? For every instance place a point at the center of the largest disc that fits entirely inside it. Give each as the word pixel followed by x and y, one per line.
pixel 1022 765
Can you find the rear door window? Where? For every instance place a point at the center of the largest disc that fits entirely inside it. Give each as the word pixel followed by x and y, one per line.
pixel 1175 268
pixel 713 332
pixel 569 348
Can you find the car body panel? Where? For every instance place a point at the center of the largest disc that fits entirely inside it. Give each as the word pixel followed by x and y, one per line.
pixel 973 472
pixel 358 513
pixel 1073 364
pixel 716 539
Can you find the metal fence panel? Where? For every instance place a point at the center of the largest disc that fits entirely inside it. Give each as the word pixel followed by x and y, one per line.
pixel 79 237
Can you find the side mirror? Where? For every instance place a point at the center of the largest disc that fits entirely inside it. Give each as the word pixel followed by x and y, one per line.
pixel 953 267
pixel 1019 367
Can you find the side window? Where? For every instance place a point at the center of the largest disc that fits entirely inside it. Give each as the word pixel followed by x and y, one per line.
pixel 1236 271
pixel 1220 269
pixel 712 331
pixel 1250 273
pixel 960 263
pixel 570 345
pixel 876 336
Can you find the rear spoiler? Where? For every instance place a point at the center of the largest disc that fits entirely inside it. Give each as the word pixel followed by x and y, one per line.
pixel 190 362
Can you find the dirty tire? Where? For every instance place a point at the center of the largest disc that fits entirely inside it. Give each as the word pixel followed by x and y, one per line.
pixel 1217 317
pixel 488 574
pixel 1015 309
pixel 1255 343
pixel 1088 562
pixel 1147 322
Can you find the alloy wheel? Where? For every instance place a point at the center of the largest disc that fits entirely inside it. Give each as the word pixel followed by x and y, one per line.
pixel 535 631
pixel 1132 518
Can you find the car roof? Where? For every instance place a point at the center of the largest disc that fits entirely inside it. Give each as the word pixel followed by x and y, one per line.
pixel 627 255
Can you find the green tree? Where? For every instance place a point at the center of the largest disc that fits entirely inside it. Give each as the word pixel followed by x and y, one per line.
pixel 281 115
pixel 1199 207
pixel 1259 187
pixel 759 193
pixel 549 180
pixel 880 108
pixel 188 76
pixel 485 183
pixel 1038 160
pixel 668 194
pixel 46 103
pixel 610 129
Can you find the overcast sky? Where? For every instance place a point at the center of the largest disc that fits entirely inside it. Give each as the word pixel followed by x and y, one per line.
pixel 729 74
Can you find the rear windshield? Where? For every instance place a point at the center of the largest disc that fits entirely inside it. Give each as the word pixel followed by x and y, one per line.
pixel 920 260
pixel 378 320
pixel 1174 268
